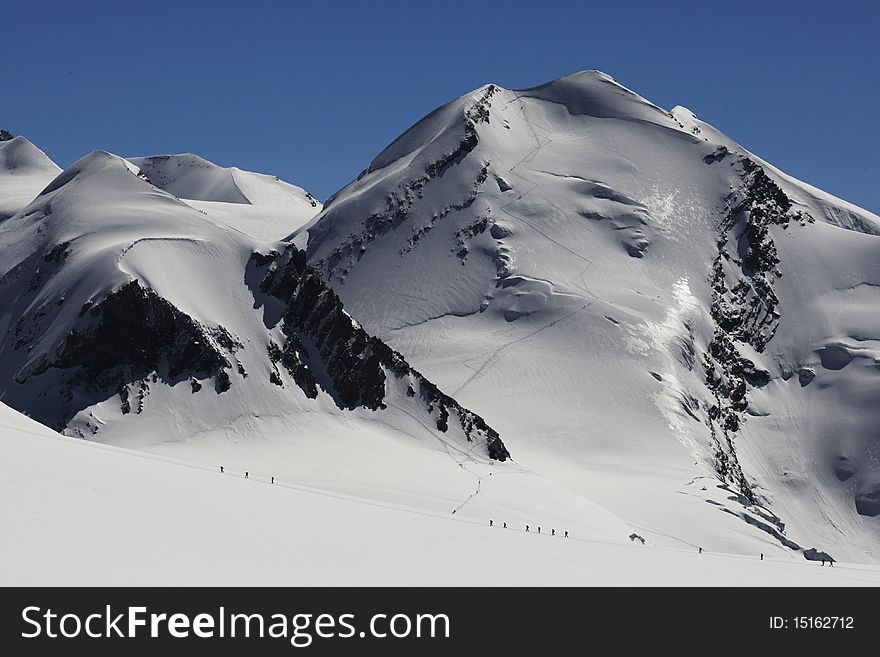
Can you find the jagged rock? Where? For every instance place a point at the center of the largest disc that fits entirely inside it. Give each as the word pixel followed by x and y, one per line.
pixel 125 406
pixel 291 358
pixel 743 305
pixel 130 335
pixel 812 554
pixel 223 382
pixel 400 201
pixel 356 365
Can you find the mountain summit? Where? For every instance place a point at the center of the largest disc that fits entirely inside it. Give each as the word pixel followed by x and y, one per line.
pixel 24 171
pixel 645 309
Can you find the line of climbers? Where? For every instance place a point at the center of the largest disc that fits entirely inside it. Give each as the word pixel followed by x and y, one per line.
pixel 247 475
pixel 552 531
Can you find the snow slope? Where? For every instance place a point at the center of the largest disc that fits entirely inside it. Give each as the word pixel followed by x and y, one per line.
pixel 639 304
pixel 128 315
pixel 260 205
pixel 24 171
pixel 74 512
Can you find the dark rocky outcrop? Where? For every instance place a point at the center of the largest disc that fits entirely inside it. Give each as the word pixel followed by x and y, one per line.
pixel 136 332
pixel 400 200
pixel 290 357
pixel 413 241
pixel 812 554
pixel 325 346
pixel 129 336
pixel 743 307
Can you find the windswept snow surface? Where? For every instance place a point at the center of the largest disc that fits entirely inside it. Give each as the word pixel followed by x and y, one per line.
pixel 636 302
pixel 79 513
pixel 24 171
pixel 130 317
pixel 260 205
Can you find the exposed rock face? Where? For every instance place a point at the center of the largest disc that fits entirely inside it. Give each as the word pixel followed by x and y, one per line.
pixel 136 330
pixel 743 307
pixel 400 201
pixel 133 338
pixel 129 336
pixel 325 345
pixel 812 554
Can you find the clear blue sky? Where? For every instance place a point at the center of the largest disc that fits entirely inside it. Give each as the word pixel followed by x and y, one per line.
pixel 313 91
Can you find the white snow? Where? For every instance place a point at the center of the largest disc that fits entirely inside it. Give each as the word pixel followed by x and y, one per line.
pixel 78 513
pixel 24 171
pixel 260 205
pixel 565 326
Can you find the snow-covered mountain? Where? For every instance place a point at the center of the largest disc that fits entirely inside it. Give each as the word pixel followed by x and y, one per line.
pixel 24 171
pixel 260 205
pixel 645 310
pixel 676 341
pixel 129 316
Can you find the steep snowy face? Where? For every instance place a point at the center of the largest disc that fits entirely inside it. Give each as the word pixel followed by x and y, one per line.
pixel 257 204
pixel 24 171
pixel 624 290
pixel 125 312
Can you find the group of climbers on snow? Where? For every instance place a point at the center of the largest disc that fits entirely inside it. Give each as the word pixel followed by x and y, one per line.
pixel 247 475
pixel 552 531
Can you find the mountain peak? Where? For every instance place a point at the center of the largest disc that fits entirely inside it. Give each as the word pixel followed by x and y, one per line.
pixel 597 94
pixel 95 163
pixel 24 171
pixel 192 177
pixel 18 153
